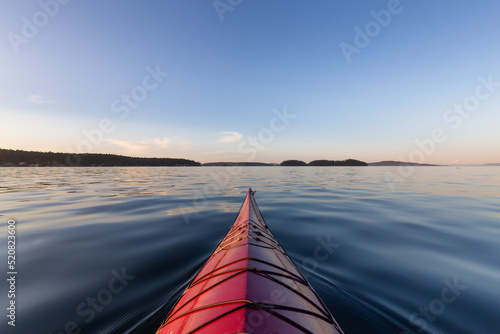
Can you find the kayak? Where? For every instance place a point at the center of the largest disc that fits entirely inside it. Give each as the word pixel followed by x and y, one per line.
pixel 249 285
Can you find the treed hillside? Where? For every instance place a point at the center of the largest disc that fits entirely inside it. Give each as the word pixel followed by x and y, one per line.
pixel 26 158
pixel 348 162
pixel 228 164
pixel 293 163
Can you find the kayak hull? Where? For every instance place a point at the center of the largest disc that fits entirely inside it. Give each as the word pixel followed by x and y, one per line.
pixel 249 285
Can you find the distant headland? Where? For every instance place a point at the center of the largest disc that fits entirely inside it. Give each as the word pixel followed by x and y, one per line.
pixel 398 163
pixel 19 158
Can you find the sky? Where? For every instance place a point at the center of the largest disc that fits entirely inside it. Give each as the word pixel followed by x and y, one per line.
pixel 240 80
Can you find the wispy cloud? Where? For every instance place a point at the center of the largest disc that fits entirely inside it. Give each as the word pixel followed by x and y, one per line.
pixel 130 146
pixel 229 137
pixel 41 99
pixel 217 152
pixel 162 143
pixel 150 146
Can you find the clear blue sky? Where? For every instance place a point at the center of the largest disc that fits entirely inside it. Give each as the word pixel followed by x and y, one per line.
pixel 84 67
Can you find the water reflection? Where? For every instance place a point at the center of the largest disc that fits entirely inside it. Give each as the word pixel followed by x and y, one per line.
pixel 397 247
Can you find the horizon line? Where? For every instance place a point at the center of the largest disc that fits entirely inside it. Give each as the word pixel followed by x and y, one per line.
pixel 274 163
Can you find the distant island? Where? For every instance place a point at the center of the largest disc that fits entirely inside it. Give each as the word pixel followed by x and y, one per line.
pixel 293 163
pixel 348 162
pixel 492 164
pixel 20 158
pixel 398 163
pixel 226 164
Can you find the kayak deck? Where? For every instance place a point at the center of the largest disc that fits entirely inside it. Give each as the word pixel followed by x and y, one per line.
pixel 249 285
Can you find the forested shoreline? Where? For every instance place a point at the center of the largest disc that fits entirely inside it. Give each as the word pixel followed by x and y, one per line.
pixel 20 158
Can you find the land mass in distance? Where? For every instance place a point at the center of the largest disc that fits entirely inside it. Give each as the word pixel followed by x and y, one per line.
pixel 36 159
pixel 398 163
pixel 22 158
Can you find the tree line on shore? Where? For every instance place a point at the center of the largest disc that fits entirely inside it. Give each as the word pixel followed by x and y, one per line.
pixel 32 158
pixel 56 159
pixel 348 162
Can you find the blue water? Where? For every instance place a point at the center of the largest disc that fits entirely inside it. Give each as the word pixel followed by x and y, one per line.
pixel 108 250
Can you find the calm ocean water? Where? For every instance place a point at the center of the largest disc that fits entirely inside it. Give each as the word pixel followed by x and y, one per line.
pixel 108 250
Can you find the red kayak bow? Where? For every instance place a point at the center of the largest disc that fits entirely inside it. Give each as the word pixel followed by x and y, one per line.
pixel 249 285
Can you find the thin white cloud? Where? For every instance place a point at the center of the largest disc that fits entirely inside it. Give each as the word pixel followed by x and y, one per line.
pixel 217 152
pixel 229 137
pixel 41 99
pixel 150 146
pixel 162 143
pixel 130 146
